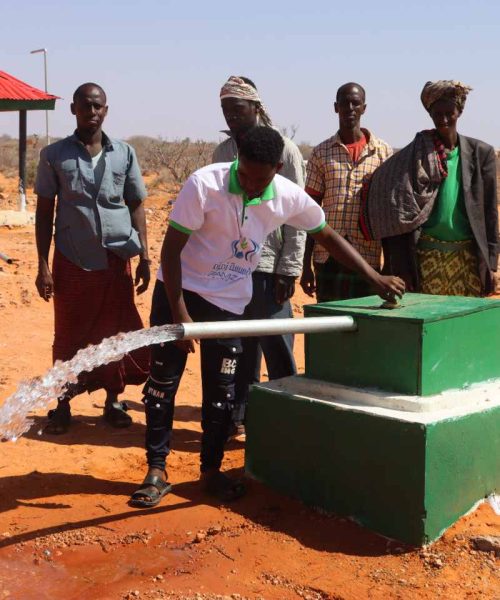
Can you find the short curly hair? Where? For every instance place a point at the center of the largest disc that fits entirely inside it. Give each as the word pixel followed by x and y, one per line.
pixel 80 90
pixel 262 145
pixel 348 86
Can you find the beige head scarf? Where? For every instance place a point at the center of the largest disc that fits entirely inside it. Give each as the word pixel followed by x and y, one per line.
pixel 448 89
pixel 236 87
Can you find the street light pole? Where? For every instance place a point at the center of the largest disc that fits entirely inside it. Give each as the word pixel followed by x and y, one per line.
pixel 44 50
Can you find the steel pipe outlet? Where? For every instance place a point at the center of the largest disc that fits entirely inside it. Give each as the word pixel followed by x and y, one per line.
pixel 260 327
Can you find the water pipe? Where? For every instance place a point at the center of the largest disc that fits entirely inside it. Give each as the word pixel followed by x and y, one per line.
pixel 261 327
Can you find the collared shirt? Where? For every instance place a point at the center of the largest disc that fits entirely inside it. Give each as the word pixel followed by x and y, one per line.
pixel 269 193
pixel 283 250
pixel 333 175
pixel 91 218
pixel 226 231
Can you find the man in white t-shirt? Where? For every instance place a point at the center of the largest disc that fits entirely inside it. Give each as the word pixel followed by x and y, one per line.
pixel 220 220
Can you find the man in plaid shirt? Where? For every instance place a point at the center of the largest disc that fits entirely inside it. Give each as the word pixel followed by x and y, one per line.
pixel 336 172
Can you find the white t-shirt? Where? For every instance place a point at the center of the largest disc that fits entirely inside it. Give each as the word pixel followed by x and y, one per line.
pixel 226 236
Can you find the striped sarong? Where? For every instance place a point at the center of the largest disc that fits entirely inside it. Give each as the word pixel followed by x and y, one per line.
pixel 90 306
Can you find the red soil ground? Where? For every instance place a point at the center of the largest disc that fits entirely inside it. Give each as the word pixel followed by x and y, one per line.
pixel 66 531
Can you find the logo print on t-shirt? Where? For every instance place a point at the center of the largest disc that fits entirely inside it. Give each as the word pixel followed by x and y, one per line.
pixel 244 248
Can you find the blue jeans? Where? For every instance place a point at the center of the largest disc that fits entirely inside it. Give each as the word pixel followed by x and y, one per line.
pixel 277 349
pixel 219 360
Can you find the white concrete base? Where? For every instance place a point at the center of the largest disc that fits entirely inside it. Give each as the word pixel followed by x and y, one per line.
pixel 417 409
pixel 16 218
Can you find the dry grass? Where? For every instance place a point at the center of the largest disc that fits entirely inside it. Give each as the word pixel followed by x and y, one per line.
pixel 173 161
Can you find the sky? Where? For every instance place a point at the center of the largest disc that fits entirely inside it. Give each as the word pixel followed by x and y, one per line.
pixel 162 62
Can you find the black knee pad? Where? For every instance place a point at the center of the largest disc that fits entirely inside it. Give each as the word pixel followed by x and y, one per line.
pixel 223 399
pixel 225 354
pixel 159 402
pixel 159 392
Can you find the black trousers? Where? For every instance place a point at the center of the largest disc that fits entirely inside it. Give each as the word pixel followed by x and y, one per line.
pixel 219 361
pixel 277 349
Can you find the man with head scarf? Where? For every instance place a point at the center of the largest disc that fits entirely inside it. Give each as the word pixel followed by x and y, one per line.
pixel 434 204
pixel 445 89
pixel 281 259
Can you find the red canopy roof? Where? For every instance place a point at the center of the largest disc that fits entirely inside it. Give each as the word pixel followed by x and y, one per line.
pixel 15 89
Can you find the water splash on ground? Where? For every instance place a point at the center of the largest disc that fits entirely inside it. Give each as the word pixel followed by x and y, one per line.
pixel 37 393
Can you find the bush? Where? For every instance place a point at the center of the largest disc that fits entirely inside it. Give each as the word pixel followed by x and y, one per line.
pixel 9 156
pixel 173 161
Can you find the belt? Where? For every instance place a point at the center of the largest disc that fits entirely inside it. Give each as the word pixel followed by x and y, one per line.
pixel 426 242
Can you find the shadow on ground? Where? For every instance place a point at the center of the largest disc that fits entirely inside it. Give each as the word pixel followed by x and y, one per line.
pixel 14 492
pixel 262 506
pixel 93 431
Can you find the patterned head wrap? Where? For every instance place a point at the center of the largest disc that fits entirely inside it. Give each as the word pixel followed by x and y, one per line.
pixel 446 89
pixel 236 87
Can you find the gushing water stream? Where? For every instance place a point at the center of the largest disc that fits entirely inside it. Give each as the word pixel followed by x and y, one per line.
pixel 37 393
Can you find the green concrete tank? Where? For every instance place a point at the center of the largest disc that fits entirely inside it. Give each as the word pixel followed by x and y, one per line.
pixel 406 459
pixel 430 344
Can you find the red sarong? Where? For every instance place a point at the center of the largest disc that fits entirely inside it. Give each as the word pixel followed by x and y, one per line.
pixel 90 306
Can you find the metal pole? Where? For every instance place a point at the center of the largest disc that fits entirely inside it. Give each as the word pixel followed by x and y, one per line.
pixel 259 327
pixel 22 160
pixel 46 89
pixel 44 50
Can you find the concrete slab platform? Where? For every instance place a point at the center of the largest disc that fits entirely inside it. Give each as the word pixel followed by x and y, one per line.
pixel 16 218
pixel 451 403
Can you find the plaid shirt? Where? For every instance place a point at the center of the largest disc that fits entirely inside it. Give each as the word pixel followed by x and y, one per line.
pixel 333 176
